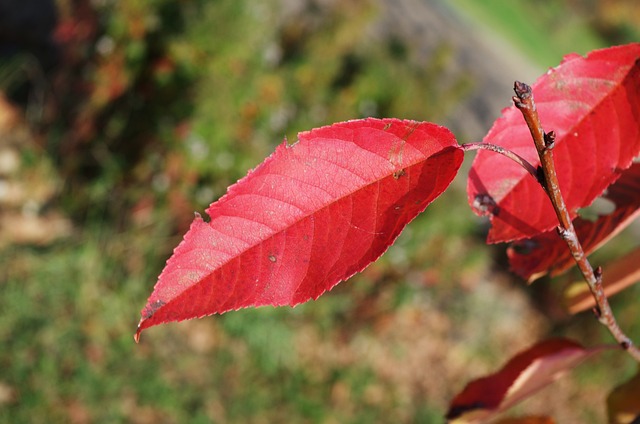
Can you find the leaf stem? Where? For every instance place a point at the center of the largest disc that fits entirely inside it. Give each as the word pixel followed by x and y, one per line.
pixel 544 143
pixel 504 152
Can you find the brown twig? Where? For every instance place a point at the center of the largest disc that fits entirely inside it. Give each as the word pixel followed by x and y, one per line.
pixel 544 142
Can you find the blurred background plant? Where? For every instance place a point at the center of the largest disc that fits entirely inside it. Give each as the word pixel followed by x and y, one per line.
pixel 119 119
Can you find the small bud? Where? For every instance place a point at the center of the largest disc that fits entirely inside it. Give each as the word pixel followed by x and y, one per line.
pixel 598 274
pixel 522 90
pixel 550 140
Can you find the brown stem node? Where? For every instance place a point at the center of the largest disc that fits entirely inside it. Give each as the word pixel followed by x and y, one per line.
pixel 562 232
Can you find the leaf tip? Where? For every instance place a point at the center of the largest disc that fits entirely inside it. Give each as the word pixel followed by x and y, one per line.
pixel 136 337
pixel 149 310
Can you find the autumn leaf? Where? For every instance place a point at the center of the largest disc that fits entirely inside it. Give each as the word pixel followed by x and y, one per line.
pixel 620 274
pixel 311 215
pixel 527 420
pixel 623 403
pixel 525 374
pixel 548 253
pixel 592 103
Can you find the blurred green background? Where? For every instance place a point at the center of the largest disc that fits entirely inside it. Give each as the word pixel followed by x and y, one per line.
pixel 119 119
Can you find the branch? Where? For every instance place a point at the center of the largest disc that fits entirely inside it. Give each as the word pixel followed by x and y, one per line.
pixel 544 142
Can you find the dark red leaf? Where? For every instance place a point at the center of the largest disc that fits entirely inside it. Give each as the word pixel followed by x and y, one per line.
pixel 523 375
pixel 593 105
pixel 311 215
pixel 533 258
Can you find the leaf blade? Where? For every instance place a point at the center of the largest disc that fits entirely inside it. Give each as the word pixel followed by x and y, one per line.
pixel 623 403
pixel 523 375
pixel 310 216
pixel 548 253
pixel 593 105
pixel 621 273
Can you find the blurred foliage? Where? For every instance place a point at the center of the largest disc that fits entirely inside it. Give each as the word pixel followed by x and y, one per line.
pixel 155 107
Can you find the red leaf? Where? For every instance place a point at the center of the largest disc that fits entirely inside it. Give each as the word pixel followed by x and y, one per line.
pixel 593 105
pixel 523 375
pixel 620 274
pixel 533 258
pixel 311 215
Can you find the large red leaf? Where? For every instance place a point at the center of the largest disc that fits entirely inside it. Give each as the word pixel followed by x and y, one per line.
pixel 593 105
pixel 525 374
pixel 532 258
pixel 311 215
